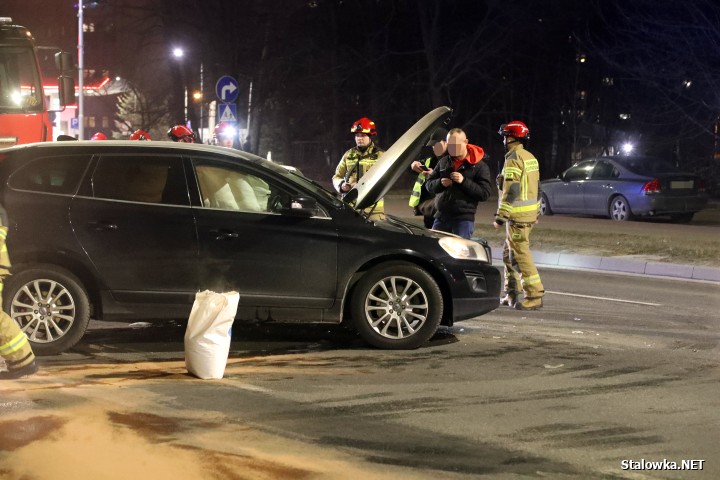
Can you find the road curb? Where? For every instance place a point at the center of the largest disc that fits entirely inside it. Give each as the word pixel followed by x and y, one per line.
pixel 620 264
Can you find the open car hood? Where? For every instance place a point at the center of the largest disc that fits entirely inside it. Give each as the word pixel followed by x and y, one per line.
pixel 396 160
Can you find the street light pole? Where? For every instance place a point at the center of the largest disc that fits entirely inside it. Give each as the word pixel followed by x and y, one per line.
pixel 202 92
pixel 81 47
pixel 186 106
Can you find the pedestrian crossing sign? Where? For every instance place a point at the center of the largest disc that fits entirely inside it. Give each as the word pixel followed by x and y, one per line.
pixel 227 112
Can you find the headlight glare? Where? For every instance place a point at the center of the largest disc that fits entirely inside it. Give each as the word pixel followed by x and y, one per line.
pixel 463 249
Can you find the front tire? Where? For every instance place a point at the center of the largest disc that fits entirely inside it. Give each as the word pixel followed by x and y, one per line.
pixel 620 209
pixel 396 306
pixel 50 305
pixel 545 206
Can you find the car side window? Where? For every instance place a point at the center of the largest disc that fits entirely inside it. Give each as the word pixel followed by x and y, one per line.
pixel 51 174
pixel 140 178
pixel 604 170
pixel 581 171
pixel 229 188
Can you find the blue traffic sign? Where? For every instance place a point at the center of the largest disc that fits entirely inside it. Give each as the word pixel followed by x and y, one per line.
pixel 227 89
pixel 227 112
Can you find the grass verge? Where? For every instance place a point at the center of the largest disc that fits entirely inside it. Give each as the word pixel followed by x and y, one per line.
pixel 662 249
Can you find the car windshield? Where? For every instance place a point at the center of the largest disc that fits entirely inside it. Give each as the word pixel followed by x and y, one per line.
pixel 646 165
pixel 305 182
pixel 20 88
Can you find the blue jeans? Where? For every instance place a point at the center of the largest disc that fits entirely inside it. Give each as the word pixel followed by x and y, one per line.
pixel 461 228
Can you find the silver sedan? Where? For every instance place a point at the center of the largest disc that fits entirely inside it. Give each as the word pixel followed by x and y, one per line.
pixel 624 187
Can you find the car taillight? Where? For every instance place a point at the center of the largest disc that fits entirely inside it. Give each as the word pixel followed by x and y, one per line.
pixel 653 186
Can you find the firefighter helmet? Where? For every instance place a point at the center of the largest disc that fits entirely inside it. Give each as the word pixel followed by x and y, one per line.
pixel 364 125
pixel 180 133
pixel 515 129
pixel 98 136
pixel 140 135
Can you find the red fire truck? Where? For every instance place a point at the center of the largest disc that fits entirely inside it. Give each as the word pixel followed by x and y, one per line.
pixel 24 113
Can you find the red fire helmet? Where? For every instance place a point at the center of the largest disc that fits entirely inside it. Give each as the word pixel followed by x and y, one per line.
pixel 364 125
pixel 515 129
pixel 140 135
pixel 180 133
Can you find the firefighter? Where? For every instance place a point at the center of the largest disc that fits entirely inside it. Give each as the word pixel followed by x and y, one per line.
pixel 225 134
pixel 140 135
pixel 182 134
pixel 98 136
pixel 14 345
pixel 518 207
pixel 421 200
pixel 357 161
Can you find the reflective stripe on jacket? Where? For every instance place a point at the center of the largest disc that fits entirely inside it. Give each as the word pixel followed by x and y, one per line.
pixel 520 193
pixel 348 164
pixel 418 190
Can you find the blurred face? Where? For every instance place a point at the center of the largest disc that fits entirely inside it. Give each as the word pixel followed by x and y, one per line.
pixel 226 142
pixel 362 140
pixel 440 148
pixel 457 145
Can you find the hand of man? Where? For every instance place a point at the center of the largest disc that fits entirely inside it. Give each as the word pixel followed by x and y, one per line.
pixel 345 187
pixel 457 177
pixel 415 167
pixel 446 182
pixel 496 225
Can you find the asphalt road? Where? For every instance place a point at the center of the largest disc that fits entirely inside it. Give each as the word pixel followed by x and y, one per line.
pixel 613 368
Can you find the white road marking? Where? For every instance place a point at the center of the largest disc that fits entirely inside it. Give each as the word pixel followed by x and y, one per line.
pixel 605 298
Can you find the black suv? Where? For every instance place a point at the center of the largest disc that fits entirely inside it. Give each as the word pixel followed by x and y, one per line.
pixel 132 230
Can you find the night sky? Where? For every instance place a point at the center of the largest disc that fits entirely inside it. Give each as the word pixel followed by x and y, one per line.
pixel 649 74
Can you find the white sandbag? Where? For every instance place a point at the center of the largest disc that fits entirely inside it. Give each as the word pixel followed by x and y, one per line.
pixel 208 333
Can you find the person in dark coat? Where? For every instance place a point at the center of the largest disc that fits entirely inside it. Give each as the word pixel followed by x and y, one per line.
pixel 460 180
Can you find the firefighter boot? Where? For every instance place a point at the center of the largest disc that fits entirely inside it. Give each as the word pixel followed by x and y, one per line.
pixel 531 303
pixel 15 373
pixel 510 299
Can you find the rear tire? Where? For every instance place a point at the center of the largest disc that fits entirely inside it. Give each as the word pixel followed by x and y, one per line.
pixel 50 305
pixel 396 306
pixel 620 209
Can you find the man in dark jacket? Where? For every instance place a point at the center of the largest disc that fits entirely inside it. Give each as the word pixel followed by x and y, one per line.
pixel 460 180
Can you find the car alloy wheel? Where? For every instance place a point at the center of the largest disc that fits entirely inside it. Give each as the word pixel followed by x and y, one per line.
pixel 620 209
pixel 50 306
pixel 545 206
pixel 397 306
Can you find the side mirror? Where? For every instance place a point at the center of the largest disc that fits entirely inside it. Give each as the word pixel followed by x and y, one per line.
pixel 302 207
pixel 64 62
pixel 66 90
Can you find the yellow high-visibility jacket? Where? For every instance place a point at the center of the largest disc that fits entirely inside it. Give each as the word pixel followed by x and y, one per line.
pixel 519 196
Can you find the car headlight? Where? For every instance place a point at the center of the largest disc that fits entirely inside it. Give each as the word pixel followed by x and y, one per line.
pixel 463 249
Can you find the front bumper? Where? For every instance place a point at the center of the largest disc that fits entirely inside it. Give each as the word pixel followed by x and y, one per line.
pixel 474 290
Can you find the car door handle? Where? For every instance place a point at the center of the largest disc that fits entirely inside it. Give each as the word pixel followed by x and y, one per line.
pixel 224 235
pixel 103 226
